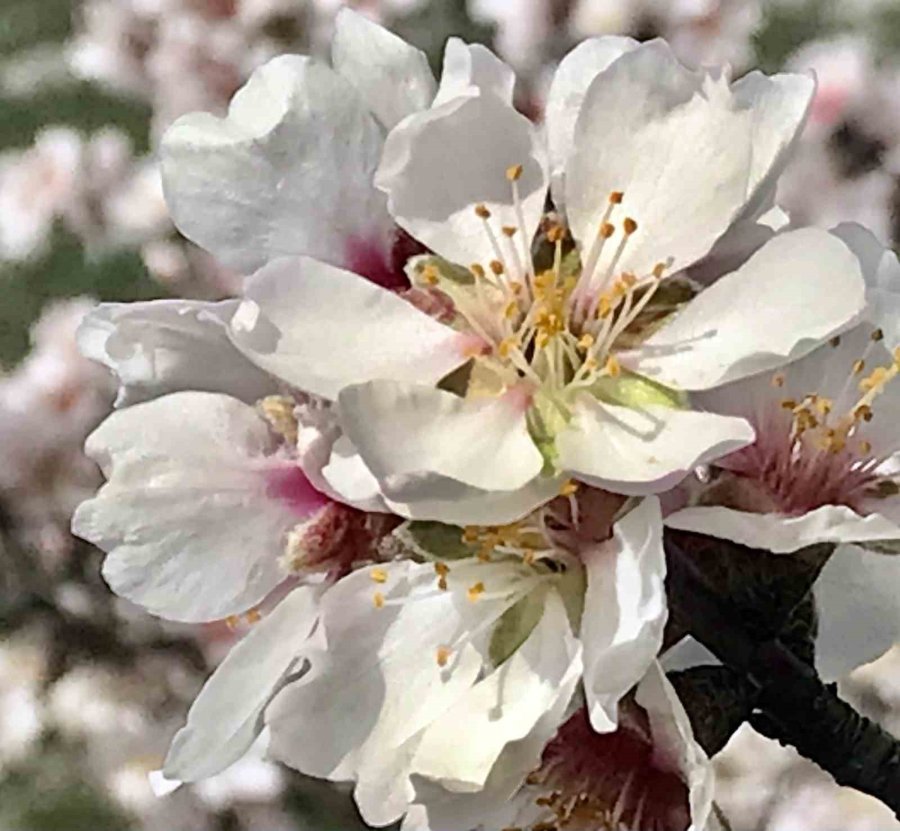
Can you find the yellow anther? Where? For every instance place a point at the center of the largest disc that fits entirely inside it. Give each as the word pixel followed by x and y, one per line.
pixel 232 621
pixel 556 233
pixel 778 379
pixel 875 381
pixel 511 310
pixel 430 275
pixel 613 368
pixel 788 404
pixel 658 270
pixel 482 212
pixel 497 267
pixel 475 591
pixel 863 413
pixel 604 308
pixel 253 616
pixel 471 533
pixel 506 346
pixel 607 229
pixel 628 280
pixel 629 226
pixel 569 487
pixel 378 600
pixel 477 270
pixel 514 172
pixel 858 366
pixel 586 341
pixel 823 405
pixel 443 655
pixel 378 575
pixel 616 197
pixel 865 447
pixel 509 230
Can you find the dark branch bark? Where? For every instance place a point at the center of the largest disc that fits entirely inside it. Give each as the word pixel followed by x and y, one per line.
pixel 791 705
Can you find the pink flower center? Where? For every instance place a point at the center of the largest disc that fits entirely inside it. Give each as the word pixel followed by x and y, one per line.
pixel 609 781
pixel 289 485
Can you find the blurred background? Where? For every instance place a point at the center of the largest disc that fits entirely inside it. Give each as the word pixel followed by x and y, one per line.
pixel 91 690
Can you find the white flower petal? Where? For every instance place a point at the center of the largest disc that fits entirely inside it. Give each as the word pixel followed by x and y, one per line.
pixel 321 328
pixel 797 291
pixel 195 509
pixel 859 616
pixel 412 436
pixel 289 171
pixel 647 450
pixel 573 76
pixel 784 534
pixel 624 611
pixel 437 166
pixel 392 77
pixel 881 270
pixel 687 150
pixel 226 716
pixel 674 741
pixel 471 69
pixel 359 712
pixel 164 346
pixel 503 708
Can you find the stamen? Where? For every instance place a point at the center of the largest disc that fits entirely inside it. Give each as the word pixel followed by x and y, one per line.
pixel 475 591
pixel 378 600
pixel 378 575
pixel 443 656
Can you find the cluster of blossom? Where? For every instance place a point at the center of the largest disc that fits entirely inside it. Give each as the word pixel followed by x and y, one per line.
pixel 476 367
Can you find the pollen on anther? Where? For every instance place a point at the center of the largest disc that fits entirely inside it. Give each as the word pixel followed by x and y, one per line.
pixel 253 616
pixel 497 267
pixel 514 172
pixel 613 367
pixel 556 233
pixel 475 591
pixel 443 655
pixel 509 230
pixel 477 270
pixel 865 447
pixel 858 366
pixel 378 600
pixel 778 379
pixel 616 197
pixel 658 270
pixel 482 211
pixel 568 488
pixel 378 575
pixel 232 621
pixel 586 341
pixel 629 226
pixel 877 335
pixel 607 229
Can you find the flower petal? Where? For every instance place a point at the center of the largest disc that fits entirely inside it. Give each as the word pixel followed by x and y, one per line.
pixel 782 534
pixel 471 69
pixel 797 291
pixel 195 508
pixel 503 708
pixel 573 76
pixel 288 171
pixel 321 328
pixel 377 682
pixel 687 150
pixel 164 346
pixel 414 438
pixel 226 716
pixel 392 77
pixel 439 165
pixel 859 617
pixel 624 611
pixel 648 450
pixel 881 270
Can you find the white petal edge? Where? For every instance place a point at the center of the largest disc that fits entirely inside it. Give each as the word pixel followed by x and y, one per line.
pixel 625 610
pixel 783 534
pixel 163 346
pixel 797 291
pixel 321 328
pixel 471 69
pixel 646 450
pixel 392 77
pixel 226 716
pixel 288 171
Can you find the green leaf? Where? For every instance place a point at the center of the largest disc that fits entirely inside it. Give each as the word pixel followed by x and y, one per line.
pixel 514 627
pixel 434 540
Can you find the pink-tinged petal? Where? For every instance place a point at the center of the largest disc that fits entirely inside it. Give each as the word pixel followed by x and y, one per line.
pixel 188 520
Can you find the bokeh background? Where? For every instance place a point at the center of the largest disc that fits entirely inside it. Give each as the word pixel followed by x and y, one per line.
pixel 91 690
